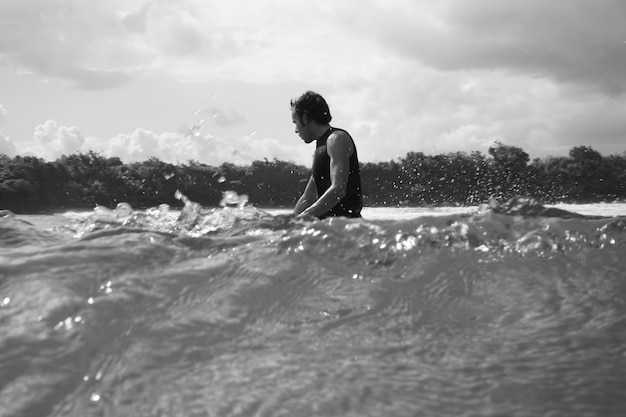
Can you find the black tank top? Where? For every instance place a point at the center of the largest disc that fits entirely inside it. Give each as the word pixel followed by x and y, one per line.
pixel 352 203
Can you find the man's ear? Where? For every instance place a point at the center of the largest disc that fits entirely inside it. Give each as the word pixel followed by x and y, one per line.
pixel 305 119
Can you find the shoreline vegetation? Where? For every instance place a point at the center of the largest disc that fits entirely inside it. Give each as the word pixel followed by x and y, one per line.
pixel 83 180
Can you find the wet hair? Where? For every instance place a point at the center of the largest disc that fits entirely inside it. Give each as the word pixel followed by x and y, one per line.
pixel 313 105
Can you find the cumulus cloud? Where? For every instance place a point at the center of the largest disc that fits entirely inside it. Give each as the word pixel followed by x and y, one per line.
pixel 171 147
pixel 51 140
pixel 7 146
pixel 223 117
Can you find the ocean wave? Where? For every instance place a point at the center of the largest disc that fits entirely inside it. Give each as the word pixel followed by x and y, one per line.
pixel 506 309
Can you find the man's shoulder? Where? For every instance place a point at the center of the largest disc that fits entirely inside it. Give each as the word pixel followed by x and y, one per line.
pixel 340 135
pixel 340 142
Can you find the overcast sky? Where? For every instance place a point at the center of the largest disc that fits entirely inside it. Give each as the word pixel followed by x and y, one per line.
pixel 211 80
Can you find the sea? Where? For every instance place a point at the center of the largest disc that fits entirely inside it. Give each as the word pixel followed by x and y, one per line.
pixel 507 309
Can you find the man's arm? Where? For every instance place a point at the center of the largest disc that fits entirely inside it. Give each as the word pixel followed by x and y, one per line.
pixel 308 197
pixel 339 148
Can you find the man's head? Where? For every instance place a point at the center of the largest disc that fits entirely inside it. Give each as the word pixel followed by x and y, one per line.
pixel 309 112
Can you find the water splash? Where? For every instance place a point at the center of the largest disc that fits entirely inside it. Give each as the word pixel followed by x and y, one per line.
pixel 519 226
pixel 232 199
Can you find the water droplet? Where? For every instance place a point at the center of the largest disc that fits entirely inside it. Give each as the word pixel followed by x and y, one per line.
pixel 194 131
pixel 107 287
pixel 231 198
pixel 123 210
pixel 90 300
pixel 6 301
pixel 95 397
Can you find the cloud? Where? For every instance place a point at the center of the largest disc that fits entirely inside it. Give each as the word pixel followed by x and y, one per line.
pixel 176 29
pixel 412 108
pixel 562 39
pixel 7 146
pixel 401 75
pixel 83 43
pixel 171 147
pixel 103 44
pixel 223 117
pixel 595 121
pixel 51 140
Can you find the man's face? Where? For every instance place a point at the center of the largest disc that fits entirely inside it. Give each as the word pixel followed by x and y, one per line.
pixel 302 126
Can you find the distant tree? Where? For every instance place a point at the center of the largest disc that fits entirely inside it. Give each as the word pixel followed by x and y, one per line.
pixel 508 157
pixel 152 182
pixel 550 179
pixel 510 170
pixel 384 184
pixel 28 183
pixel 86 179
pixel 586 156
pixel 469 180
pixel 616 166
pixel 274 183
pixel 592 179
pixel 17 195
pixel 200 183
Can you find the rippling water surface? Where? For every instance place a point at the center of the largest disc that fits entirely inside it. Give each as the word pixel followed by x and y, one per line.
pixel 516 310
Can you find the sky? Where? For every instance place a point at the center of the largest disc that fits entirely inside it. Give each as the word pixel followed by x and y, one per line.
pixel 211 81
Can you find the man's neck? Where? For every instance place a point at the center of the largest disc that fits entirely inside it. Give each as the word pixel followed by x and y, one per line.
pixel 319 129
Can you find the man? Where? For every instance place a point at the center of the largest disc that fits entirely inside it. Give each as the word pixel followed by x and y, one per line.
pixel 334 188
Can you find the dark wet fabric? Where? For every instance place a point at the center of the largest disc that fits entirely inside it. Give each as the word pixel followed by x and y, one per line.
pixel 352 203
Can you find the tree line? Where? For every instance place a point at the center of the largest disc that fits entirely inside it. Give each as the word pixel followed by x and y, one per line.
pixel 83 180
